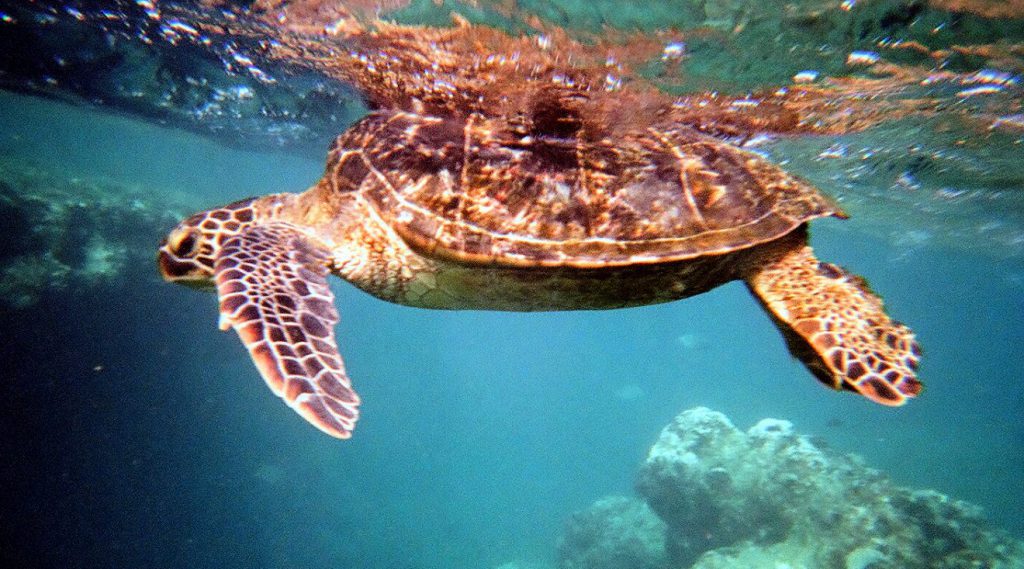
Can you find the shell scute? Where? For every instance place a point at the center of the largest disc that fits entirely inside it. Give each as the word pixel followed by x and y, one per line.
pixel 485 190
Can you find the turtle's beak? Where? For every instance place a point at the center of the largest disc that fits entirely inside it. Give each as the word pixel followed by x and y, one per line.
pixel 182 271
pixel 170 268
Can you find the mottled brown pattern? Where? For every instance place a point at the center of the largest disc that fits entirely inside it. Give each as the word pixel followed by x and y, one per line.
pixel 836 325
pixel 482 190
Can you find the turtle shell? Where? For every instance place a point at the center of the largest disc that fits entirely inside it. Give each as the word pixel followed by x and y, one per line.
pixel 563 193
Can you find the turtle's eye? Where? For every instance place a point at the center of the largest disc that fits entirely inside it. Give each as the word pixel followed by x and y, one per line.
pixel 183 243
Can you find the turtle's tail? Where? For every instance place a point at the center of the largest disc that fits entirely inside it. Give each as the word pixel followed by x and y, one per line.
pixel 835 324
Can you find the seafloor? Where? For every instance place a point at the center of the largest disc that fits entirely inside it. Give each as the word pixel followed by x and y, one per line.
pixel 138 435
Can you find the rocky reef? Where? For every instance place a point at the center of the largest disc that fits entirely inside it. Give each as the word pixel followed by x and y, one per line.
pixel 74 234
pixel 615 532
pixel 715 497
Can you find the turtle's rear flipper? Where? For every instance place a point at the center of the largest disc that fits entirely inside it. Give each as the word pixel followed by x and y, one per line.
pixel 835 325
pixel 273 291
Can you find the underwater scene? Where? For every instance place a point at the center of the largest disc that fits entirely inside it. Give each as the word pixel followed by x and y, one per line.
pixel 512 193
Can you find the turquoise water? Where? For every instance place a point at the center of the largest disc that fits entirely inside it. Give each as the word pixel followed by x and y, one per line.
pixel 480 432
pixel 140 435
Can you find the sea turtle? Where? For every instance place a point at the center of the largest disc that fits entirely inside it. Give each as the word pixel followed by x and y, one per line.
pixel 559 201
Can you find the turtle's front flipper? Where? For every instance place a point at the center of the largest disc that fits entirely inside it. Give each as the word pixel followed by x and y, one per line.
pixel 835 325
pixel 273 291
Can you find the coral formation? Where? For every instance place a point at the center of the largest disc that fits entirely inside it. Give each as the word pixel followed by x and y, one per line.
pixel 73 233
pixel 770 498
pixel 614 533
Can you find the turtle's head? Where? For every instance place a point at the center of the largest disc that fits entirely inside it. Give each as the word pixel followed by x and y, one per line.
pixel 187 254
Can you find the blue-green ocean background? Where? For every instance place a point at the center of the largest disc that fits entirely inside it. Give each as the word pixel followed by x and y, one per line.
pixel 138 435
pixel 480 432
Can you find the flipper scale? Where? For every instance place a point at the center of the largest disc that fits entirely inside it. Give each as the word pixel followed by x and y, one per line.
pixel 282 309
pixel 836 325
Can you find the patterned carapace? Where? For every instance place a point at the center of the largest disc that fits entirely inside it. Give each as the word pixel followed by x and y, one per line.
pixel 492 174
